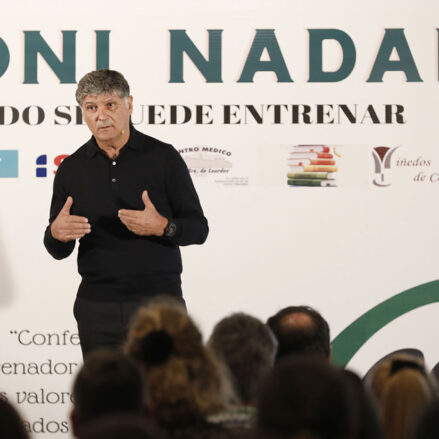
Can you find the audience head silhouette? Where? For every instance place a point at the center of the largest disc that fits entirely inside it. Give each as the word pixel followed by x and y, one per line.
pixel 183 380
pixel 402 388
pixel 108 383
pixel 11 424
pixel 305 397
pixel 300 330
pixel 247 347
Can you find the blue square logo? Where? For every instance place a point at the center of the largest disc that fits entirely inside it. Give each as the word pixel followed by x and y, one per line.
pixel 9 163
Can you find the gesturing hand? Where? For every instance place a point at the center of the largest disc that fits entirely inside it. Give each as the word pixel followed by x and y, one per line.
pixel 68 227
pixel 146 222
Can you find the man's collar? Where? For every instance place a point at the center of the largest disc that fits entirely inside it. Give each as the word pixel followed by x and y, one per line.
pixel 92 147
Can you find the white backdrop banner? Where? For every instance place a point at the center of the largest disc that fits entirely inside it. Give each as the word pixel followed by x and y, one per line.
pixel 309 129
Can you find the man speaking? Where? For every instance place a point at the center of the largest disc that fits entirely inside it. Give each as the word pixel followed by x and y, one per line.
pixel 130 201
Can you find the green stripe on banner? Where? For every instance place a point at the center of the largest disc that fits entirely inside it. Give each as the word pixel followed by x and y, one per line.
pixel 351 339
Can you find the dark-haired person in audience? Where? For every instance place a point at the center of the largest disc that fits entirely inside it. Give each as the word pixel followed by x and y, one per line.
pixel 247 347
pixel 183 379
pixel 11 424
pixel 365 420
pixel 300 330
pixel 108 383
pixel 305 398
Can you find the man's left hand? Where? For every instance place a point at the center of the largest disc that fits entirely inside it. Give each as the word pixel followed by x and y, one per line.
pixel 146 222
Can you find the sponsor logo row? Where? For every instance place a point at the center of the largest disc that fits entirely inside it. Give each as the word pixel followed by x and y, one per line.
pixel 307 165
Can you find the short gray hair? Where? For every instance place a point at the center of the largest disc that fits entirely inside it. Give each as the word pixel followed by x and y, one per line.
pixel 102 81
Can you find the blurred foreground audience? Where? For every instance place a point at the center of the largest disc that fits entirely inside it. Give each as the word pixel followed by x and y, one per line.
pixel 108 384
pixel 183 379
pixel 365 422
pixel 11 424
pixel 300 330
pixel 403 389
pixel 247 347
pixel 229 388
pixel 305 398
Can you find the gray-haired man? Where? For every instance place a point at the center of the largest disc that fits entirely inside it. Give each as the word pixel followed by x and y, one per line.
pixel 130 201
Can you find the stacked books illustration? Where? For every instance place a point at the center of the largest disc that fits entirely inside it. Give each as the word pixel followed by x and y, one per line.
pixel 311 165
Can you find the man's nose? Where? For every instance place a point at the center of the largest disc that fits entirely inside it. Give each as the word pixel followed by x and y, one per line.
pixel 101 113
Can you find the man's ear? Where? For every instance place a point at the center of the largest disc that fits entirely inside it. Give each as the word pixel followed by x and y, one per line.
pixel 130 104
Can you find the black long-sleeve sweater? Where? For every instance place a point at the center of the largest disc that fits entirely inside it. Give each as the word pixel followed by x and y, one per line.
pixel 115 264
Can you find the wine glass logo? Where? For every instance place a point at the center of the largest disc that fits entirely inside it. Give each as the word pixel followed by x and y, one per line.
pixel 382 156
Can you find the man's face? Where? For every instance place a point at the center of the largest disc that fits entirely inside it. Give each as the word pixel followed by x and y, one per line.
pixel 107 116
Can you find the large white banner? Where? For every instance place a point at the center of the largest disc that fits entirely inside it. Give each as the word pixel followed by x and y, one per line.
pixel 309 129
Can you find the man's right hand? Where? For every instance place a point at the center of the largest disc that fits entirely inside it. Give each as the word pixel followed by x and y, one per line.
pixel 68 227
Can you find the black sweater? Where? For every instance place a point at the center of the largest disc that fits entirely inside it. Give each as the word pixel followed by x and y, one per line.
pixel 115 264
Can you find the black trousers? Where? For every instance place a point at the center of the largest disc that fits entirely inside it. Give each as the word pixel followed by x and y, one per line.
pixel 104 324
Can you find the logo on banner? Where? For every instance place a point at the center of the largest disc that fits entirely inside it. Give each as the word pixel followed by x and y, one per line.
pixel 212 163
pixel 41 162
pixel 9 163
pixel 312 166
pixel 382 156
pixel 204 160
